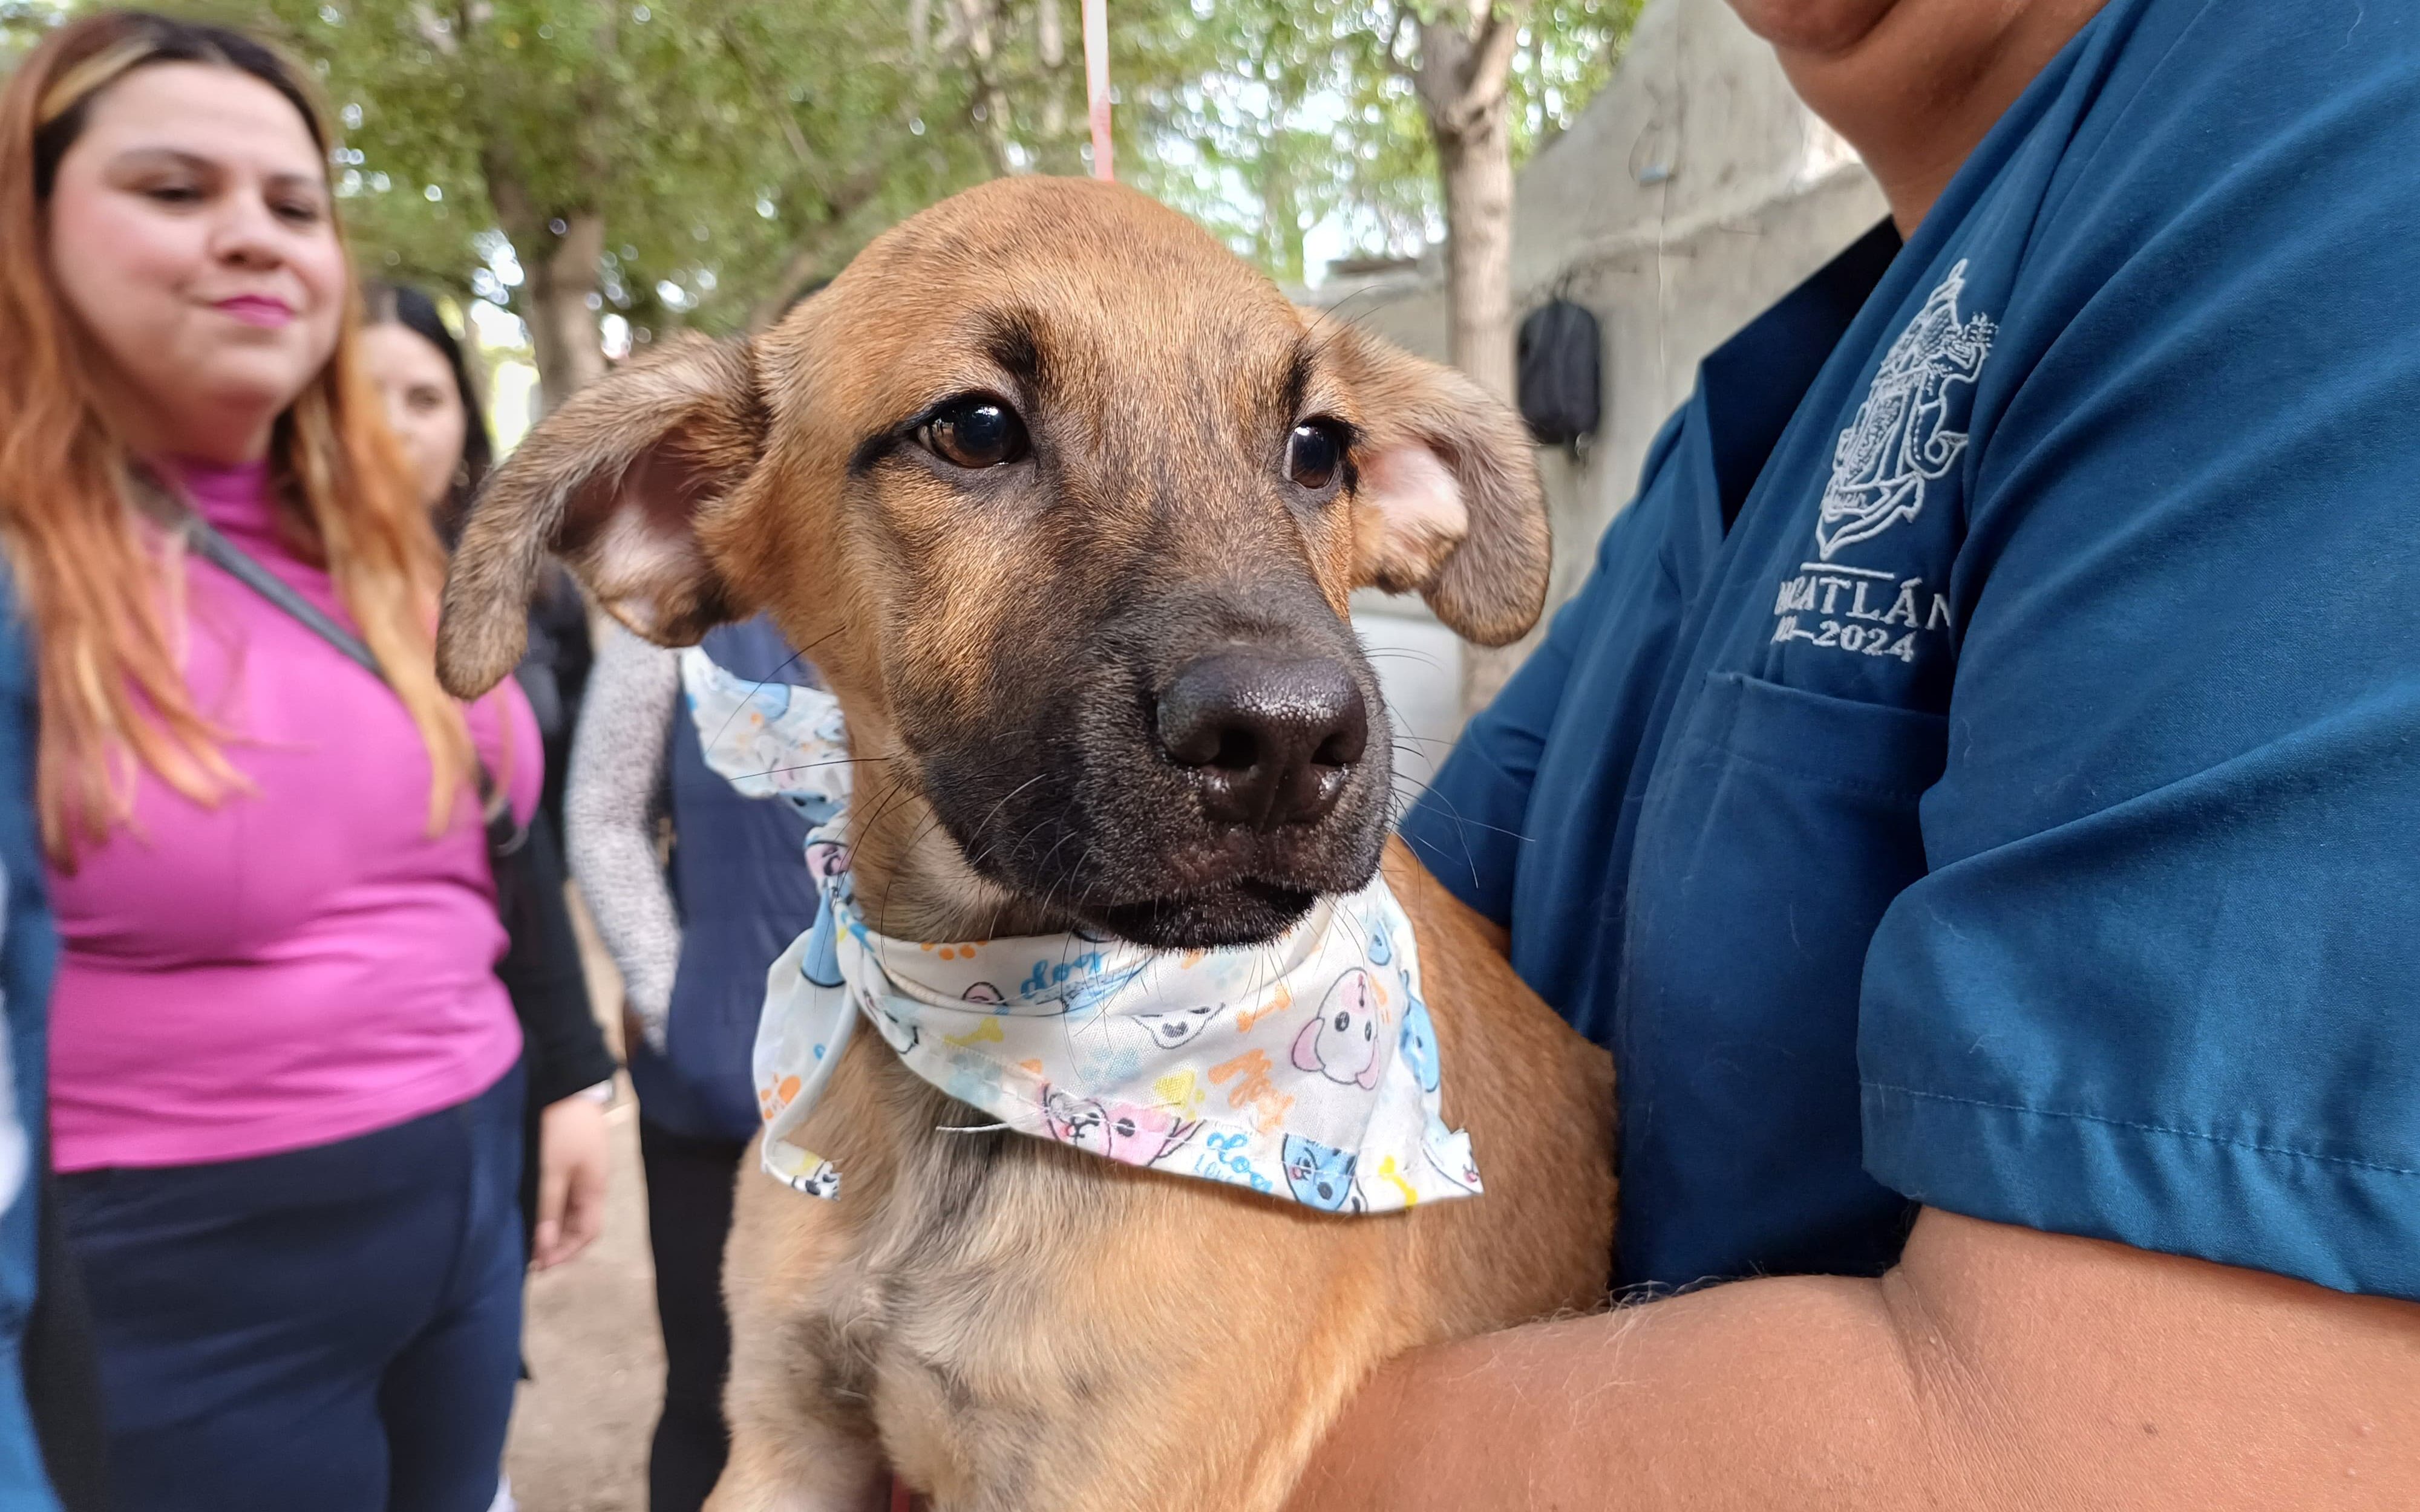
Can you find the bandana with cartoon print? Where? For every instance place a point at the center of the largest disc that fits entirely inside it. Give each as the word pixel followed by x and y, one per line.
pixel 768 739
pixel 1305 1068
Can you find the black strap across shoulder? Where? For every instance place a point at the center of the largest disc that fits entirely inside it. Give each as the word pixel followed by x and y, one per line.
pixel 504 837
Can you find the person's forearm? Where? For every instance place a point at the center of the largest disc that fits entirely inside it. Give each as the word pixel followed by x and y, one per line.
pixel 1788 1393
pixel 562 1046
pixel 1994 1368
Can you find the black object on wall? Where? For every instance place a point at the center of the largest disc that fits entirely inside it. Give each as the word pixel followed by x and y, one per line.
pixel 1560 388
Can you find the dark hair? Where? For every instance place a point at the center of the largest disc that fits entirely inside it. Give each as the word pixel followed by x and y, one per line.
pixel 143 39
pixel 403 306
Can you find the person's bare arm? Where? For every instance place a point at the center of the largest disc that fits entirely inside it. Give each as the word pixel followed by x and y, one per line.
pixel 1995 1368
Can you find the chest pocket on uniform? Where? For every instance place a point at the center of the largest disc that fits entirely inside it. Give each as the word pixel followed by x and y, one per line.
pixel 1778 828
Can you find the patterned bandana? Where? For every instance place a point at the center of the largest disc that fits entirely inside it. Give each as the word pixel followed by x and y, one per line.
pixel 770 740
pixel 1305 1068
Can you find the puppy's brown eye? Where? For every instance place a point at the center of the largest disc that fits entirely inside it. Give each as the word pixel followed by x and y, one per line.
pixel 977 431
pixel 1314 454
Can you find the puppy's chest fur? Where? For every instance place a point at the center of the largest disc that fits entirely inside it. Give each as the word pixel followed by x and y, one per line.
pixel 1012 1318
pixel 1017 1326
pixel 916 1324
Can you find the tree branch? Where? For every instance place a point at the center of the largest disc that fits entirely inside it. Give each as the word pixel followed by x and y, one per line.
pixel 1487 73
pixel 772 102
pixel 852 195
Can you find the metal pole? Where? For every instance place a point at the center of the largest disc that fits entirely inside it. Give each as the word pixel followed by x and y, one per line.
pixel 1097 83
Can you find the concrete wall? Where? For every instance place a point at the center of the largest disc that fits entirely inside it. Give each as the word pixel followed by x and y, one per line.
pixel 1694 191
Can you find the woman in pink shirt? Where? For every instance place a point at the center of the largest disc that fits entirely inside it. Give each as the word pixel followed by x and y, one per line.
pixel 285 1102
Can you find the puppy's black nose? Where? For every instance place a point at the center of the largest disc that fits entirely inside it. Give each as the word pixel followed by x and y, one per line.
pixel 1270 738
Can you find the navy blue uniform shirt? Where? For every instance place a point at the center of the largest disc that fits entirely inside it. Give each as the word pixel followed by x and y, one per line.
pixel 1983 769
pixel 28 957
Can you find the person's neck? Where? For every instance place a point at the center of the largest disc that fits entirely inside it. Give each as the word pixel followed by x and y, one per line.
pixel 237 443
pixel 1915 85
pixel 222 436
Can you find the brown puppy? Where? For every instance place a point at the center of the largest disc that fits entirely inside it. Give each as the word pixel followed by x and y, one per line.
pixel 1066 501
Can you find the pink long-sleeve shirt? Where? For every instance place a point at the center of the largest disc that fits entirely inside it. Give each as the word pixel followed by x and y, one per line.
pixel 300 962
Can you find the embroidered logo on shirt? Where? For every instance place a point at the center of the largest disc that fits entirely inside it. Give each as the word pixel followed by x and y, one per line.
pixel 1900 440
pixel 1857 609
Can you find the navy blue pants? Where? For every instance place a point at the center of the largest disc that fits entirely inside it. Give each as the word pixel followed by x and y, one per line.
pixel 335 1328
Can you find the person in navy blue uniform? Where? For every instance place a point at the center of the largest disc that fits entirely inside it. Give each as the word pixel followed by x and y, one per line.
pixel 1977 799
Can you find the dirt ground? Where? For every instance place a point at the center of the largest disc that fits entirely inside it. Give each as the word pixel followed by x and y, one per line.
pixel 580 1429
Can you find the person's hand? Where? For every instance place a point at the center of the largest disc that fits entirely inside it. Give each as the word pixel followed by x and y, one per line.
pixel 572 1160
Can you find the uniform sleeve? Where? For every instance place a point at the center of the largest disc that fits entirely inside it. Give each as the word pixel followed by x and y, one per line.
pixel 617 775
pixel 1468 828
pixel 2159 986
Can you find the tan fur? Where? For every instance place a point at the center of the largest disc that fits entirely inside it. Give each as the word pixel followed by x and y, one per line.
pixel 610 483
pixel 1010 1324
pixel 1492 586
pixel 1143 1341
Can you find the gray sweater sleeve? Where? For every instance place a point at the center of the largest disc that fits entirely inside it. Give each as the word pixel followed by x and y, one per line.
pixel 610 811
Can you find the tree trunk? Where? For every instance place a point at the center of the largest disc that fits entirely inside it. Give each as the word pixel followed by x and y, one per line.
pixel 1462 79
pixel 1050 41
pixel 989 106
pixel 1465 67
pixel 562 326
pixel 1477 166
pixel 1281 233
pixel 558 275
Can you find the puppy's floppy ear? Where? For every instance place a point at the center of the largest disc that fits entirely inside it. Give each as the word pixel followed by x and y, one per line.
pixel 615 481
pixel 1449 504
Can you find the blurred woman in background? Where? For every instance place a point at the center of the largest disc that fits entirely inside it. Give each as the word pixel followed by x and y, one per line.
pixel 432 405
pixel 284 1099
pixel 419 371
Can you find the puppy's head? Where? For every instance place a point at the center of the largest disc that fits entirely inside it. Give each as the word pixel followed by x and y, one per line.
pixel 1066 502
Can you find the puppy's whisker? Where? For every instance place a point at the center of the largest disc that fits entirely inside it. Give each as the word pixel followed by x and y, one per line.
pixel 763 682
pixel 1005 799
pixel 808 766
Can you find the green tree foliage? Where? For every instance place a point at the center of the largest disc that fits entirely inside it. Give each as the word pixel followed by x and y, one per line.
pixel 21 24
pixel 699 163
pixel 1297 110
pixel 729 151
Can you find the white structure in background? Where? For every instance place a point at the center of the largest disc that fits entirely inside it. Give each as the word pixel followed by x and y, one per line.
pixel 1692 193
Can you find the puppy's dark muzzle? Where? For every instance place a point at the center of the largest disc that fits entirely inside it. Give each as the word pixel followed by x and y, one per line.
pixel 1267 739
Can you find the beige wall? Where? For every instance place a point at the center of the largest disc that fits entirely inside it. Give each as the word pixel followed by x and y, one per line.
pixel 1693 192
